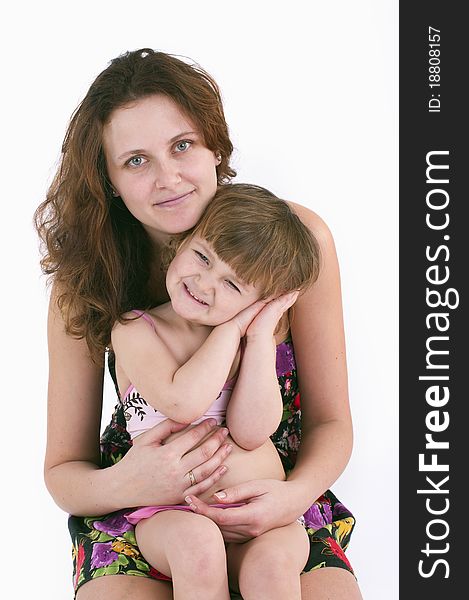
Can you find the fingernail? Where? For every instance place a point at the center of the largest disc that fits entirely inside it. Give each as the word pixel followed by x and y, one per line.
pixel 225 431
pixel 228 448
pixel 191 506
pixel 220 495
pixel 223 469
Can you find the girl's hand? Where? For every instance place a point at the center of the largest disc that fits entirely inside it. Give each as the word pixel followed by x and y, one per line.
pixel 153 472
pixel 269 504
pixel 245 317
pixel 266 320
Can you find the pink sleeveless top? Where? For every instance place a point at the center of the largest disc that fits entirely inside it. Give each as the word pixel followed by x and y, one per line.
pixel 140 416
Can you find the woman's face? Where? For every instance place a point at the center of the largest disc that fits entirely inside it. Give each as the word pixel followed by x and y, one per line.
pixel 158 163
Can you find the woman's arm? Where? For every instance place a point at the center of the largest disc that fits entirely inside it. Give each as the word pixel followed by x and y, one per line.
pixel 318 336
pixel 71 469
pixel 319 341
pixel 181 392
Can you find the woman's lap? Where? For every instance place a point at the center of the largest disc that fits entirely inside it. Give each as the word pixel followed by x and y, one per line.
pixel 341 582
pixel 107 546
pixel 118 587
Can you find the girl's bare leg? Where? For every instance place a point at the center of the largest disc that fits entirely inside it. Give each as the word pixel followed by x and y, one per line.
pixel 189 548
pixel 123 587
pixel 269 566
pixel 329 583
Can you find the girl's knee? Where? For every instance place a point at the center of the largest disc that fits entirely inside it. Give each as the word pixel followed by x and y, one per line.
pixel 203 532
pixel 202 546
pixel 269 562
pixel 269 574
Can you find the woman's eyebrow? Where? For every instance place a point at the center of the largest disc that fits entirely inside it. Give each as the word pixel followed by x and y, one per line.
pixel 182 134
pixel 130 152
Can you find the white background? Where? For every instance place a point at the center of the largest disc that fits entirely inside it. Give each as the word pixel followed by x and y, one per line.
pixel 310 91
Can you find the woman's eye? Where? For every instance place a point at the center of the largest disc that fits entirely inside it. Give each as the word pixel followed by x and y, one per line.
pixel 136 161
pixel 202 257
pixel 233 286
pixel 183 145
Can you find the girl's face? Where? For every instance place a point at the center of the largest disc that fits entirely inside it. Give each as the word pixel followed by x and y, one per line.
pixel 158 163
pixel 203 289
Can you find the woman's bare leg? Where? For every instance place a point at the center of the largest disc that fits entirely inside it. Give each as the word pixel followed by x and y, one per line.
pixel 329 583
pixel 190 549
pixel 269 566
pixel 123 587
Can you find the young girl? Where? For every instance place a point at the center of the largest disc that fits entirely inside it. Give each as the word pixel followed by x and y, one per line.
pixel 173 360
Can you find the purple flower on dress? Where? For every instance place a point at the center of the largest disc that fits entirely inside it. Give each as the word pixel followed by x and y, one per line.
pixel 115 525
pixel 315 518
pixel 340 509
pixel 293 442
pixel 285 360
pixel 103 555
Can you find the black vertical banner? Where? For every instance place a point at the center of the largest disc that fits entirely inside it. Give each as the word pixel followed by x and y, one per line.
pixel 434 268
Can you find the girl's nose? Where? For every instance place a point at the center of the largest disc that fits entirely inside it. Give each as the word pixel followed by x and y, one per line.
pixel 205 283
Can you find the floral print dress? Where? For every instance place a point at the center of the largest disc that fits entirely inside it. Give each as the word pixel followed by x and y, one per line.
pixel 106 545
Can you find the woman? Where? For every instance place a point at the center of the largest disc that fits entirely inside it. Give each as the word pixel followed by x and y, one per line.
pixel 142 158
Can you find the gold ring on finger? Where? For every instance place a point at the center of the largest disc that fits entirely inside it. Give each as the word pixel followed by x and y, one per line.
pixel 192 477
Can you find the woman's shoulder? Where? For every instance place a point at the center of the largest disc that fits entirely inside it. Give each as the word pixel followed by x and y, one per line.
pixel 312 220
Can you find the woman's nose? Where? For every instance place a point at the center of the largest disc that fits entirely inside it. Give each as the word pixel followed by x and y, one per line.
pixel 166 174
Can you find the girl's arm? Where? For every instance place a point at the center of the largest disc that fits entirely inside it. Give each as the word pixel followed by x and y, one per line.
pixel 181 392
pixel 255 407
pixel 72 463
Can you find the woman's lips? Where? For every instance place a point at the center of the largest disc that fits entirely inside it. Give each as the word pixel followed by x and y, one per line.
pixel 174 201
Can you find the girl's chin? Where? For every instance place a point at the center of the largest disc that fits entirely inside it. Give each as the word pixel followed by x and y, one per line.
pixel 194 314
pixel 197 317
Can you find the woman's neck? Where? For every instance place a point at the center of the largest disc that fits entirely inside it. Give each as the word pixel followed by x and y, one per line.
pixel 157 278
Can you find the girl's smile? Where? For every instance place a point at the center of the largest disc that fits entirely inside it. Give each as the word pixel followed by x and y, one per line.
pixel 195 297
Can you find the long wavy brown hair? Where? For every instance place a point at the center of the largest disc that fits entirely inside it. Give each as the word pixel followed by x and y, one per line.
pixel 95 251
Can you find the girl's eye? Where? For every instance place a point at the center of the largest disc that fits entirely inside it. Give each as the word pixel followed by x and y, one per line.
pixel 202 257
pixel 183 145
pixel 136 161
pixel 233 286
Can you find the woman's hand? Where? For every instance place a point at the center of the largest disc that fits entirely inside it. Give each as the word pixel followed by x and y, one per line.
pixel 153 472
pixel 269 504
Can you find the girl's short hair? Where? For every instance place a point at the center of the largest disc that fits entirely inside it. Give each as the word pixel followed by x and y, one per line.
pixel 96 251
pixel 260 237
